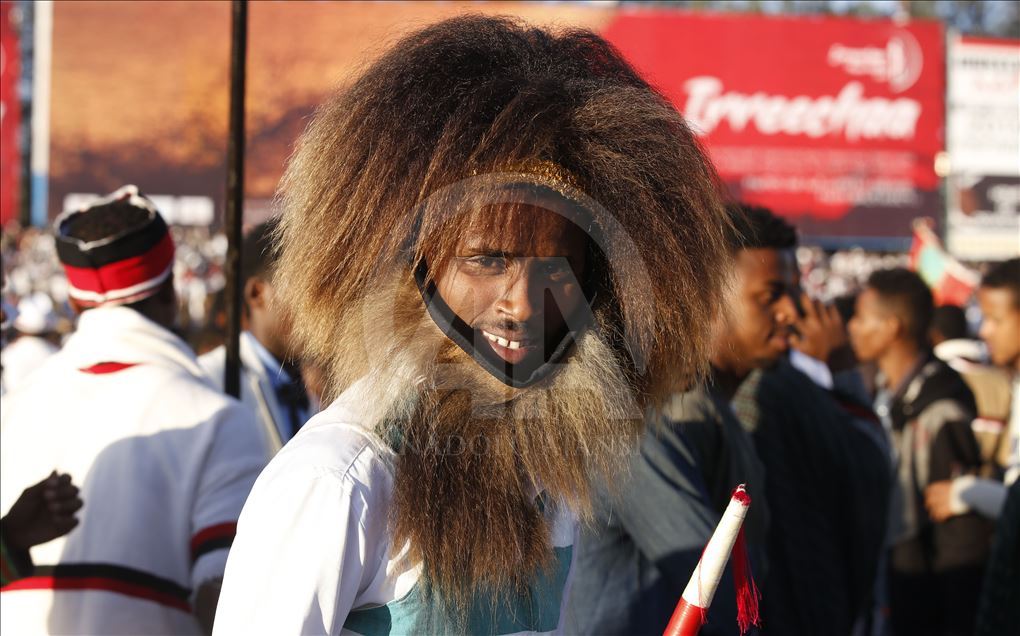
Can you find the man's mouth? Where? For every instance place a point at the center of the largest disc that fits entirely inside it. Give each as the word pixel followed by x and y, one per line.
pixel 513 351
pixel 780 338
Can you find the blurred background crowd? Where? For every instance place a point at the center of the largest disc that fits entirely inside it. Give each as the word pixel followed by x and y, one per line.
pixel 37 288
pixel 31 268
pixel 884 136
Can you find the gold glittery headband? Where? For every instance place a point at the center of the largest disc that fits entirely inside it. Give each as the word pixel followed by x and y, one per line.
pixel 540 172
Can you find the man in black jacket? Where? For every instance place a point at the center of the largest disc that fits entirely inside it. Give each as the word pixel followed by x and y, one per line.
pixel 826 460
pixel 634 562
pixel 828 480
pixel 935 568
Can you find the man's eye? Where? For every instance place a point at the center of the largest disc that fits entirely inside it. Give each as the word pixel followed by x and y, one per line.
pixel 555 271
pixel 487 263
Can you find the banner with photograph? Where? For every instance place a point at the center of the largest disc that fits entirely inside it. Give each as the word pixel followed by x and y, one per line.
pixel 983 144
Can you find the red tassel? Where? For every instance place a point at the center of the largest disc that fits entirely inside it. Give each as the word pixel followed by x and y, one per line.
pixel 747 591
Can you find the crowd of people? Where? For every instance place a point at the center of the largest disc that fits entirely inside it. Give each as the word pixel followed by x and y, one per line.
pixel 837 274
pixel 507 354
pixel 31 271
pixel 31 268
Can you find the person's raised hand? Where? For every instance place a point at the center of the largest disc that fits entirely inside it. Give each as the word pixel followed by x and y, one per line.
pixel 820 330
pixel 42 513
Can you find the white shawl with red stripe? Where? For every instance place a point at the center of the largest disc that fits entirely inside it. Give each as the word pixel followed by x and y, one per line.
pixel 164 462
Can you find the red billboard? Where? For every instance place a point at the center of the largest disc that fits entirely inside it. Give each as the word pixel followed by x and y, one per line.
pixel 832 122
pixel 10 115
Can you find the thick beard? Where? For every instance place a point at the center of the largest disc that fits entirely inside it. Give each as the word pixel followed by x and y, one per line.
pixel 472 455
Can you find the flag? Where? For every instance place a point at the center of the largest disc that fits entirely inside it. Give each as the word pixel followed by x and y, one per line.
pixel 951 282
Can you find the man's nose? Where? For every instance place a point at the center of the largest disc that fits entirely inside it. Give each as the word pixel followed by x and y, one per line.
pixel 786 310
pixel 985 331
pixel 523 296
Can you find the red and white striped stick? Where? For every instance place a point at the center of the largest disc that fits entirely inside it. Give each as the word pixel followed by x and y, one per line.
pixel 690 612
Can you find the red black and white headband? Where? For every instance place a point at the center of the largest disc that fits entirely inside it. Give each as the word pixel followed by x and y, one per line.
pixel 120 269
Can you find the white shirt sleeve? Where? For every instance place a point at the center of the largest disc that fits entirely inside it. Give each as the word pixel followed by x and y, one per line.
pixel 302 553
pixel 815 369
pixel 233 460
pixel 983 496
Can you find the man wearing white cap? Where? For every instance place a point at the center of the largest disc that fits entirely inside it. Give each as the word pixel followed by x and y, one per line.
pixel 163 458
pixel 30 347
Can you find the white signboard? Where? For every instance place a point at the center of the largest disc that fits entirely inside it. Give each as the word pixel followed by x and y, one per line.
pixel 983 142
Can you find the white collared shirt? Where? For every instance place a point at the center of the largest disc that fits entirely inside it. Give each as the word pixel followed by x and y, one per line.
pixel 313 554
pixel 278 377
pixel 813 368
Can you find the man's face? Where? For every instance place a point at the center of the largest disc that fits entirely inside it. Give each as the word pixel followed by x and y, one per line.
pixel 518 289
pixel 268 321
pixel 763 311
pixel 1000 328
pixel 873 328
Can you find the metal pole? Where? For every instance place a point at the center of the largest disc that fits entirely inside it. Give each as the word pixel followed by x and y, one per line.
pixel 234 215
pixel 42 52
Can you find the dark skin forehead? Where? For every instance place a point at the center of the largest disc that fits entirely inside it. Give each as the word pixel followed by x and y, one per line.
pixel 766 269
pixel 1002 298
pixel 529 232
pixel 870 302
pixel 888 305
